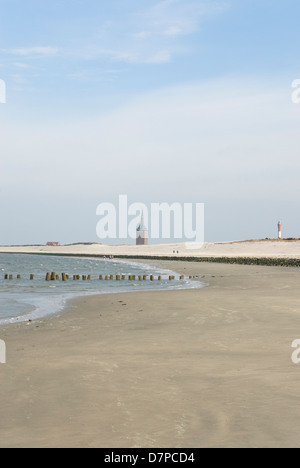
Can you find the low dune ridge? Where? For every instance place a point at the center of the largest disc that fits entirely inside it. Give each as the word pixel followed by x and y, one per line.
pixel 267 248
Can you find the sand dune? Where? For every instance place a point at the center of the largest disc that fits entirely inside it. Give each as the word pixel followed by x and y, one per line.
pixel 251 249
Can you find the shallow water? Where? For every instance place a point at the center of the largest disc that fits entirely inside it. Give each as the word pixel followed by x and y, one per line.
pixel 22 300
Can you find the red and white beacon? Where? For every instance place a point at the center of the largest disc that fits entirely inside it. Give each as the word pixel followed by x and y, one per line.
pixel 279 230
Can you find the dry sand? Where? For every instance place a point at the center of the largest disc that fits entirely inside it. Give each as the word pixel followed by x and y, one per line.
pixel 193 368
pixel 272 249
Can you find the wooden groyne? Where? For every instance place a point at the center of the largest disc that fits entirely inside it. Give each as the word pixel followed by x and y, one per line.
pixel 64 277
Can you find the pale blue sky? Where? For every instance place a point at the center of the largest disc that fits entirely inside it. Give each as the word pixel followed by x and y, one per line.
pixel 172 100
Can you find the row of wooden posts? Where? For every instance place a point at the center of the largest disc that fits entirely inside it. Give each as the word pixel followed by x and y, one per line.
pixel 54 277
pixel 11 277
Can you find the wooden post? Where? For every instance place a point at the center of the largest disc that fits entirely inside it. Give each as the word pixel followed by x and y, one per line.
pixel 118 277
pixel 151 278
pixel 89 278
pixel 159 278
pixel 106 278
pixel 83 278
pixel 11 277
pixel 100 277
pixel 48 277
pixel 182 277
pixel 53 276
pixel 145 278
pixel 123 277
pixel 57 278
pixel 140 278
pixel 6 277
pixel 19 277
pixel 31 277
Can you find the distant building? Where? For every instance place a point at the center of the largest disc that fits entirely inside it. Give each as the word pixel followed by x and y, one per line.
pixel 142 237
pixel 53 244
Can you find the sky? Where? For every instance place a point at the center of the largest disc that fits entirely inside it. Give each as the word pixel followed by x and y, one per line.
pixel 185 101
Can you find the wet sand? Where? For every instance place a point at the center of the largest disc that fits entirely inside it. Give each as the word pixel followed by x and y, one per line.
pixel 194 368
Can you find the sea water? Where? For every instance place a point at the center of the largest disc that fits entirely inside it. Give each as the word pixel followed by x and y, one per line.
pixel 23 300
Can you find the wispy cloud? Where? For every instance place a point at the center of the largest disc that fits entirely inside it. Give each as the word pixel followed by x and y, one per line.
pixel 190 118
pixel 123 54
pixel 162 56
pixel 178 17
pixel 40 51
pixel 158 29
pixel 19 79
pixel 173 31
pixel 151 35
pixel 21 65
pixel 148 36
pixel 141 35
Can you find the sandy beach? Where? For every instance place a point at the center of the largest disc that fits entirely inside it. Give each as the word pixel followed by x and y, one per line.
pixel 254 249
pixel 194 368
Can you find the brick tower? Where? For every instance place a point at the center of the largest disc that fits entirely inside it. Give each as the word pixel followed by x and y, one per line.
pixel 142 237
